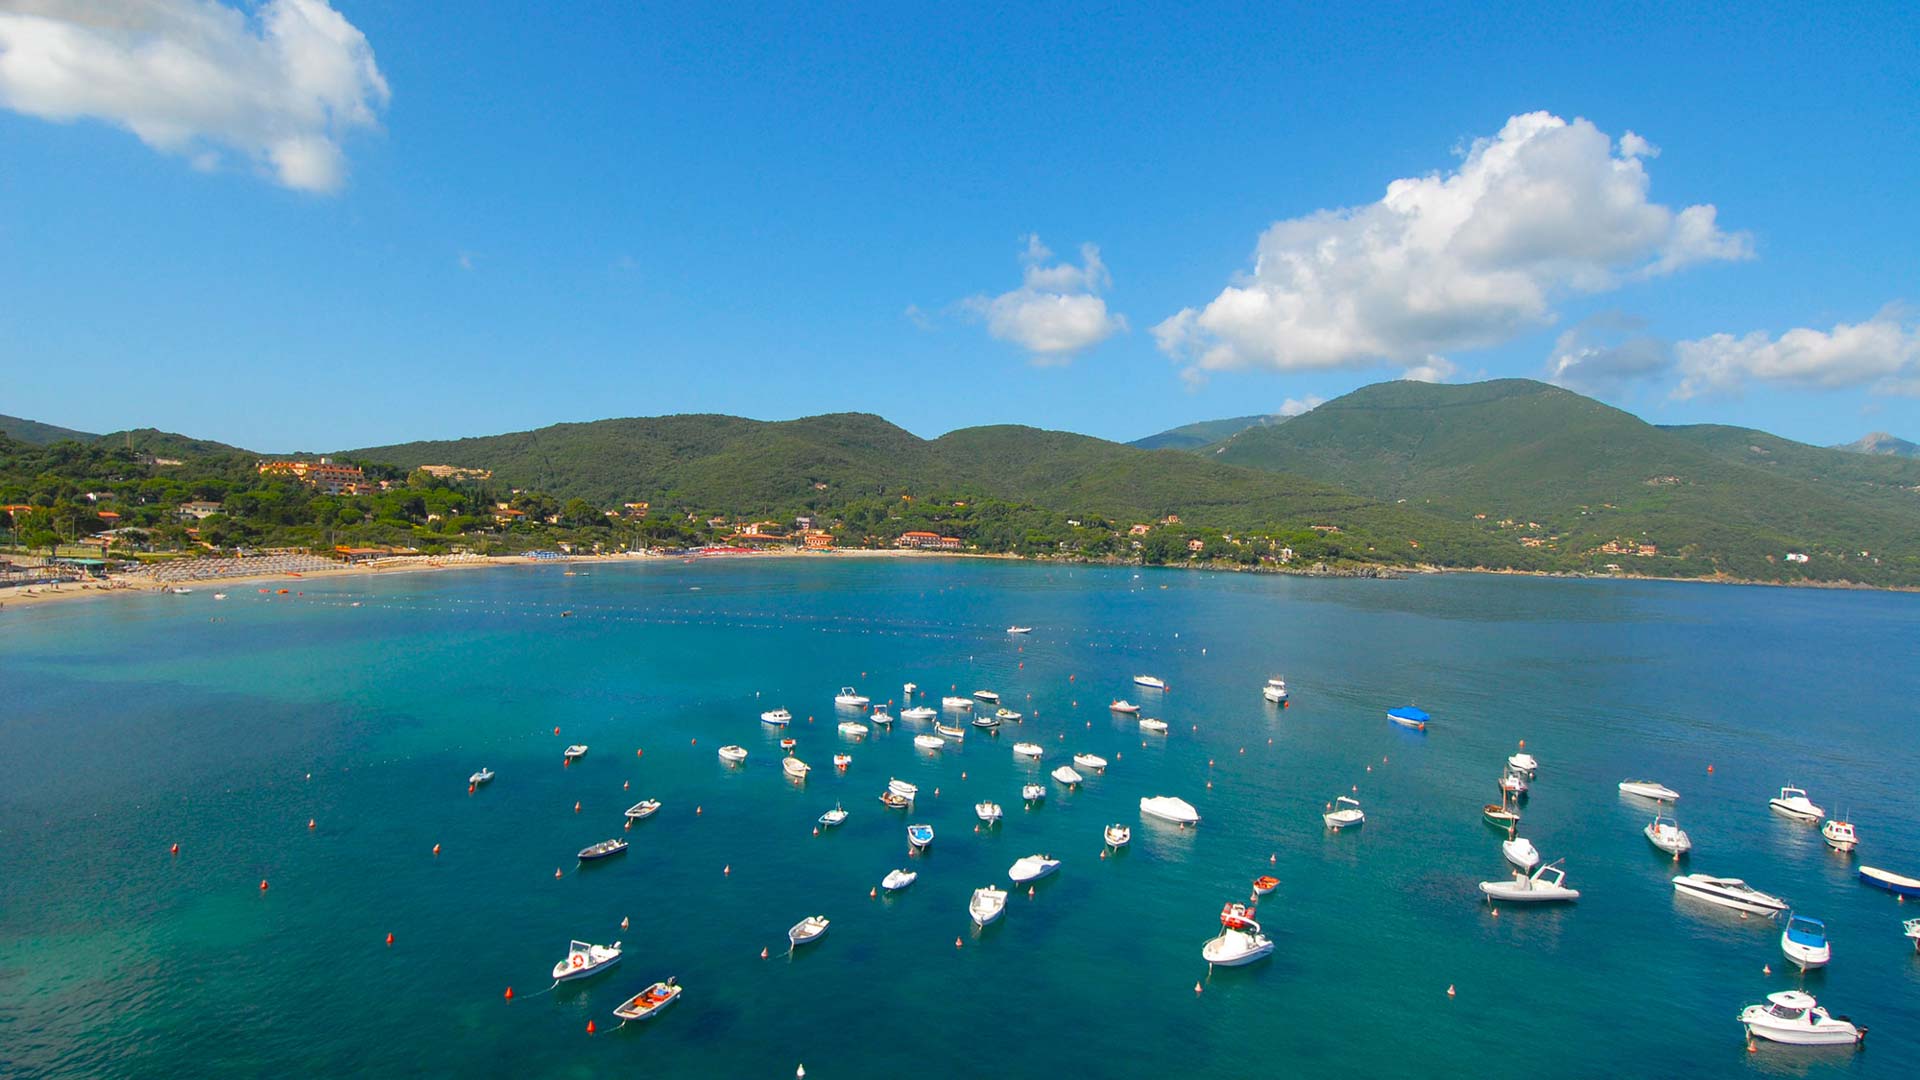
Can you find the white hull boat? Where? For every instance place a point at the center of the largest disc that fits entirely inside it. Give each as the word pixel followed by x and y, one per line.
pixel 1345 813
pixel 929 742
pixel 1027 749
pixel 648 1003
pixel 920 836
pixel 1523 762
pixel 987 696
pixel 1840 835
pixel 733 755
pixel 1241 940
pixel 1032 868
pixel 987 905
pixel 584 959
pixel 903 789
pixel 898 879
pixel 1033 793
pixel 1545 885
pixel 1090 761
pixel 919 713
pixel 1728 892
pixel 880 716
pixel 1513 783
pixel 1804 942
pixel 833 817
pixel 1520 854
pixel 988 812
pixel 795 768
pixel 1124 707
pixel 1066 775
pixel 849 698
pixel 481 777
pixel 1648 789
pixel 808 930
pixel 958 704
pixel 1118 835
pixel 1006 716
pixel 1275 690
pixel 1795 1018
pixel 776 718
pixel 575 752
pixel 643 809
pixel 841 761
pixel 1157 727
pixel 853 727
pixel 1019 629
pixel 1794 803
pixel 1151 682
pixel 986 720
pixel 951 732
pixel 1170 808
pixel 1666 834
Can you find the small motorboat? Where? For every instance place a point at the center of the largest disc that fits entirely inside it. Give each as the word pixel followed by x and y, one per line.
pixel 841 761
pixel 1027 749
pixel 1151 682
pixel 903 789
pixel 1033 793
pixel 987 904
pixel 1500 816
pixel 1513 783
pixel 219 596
pixel 895 802
pixel 988 812
pixel 648 1003
pixel 1804 941
pixel 1118 835
pixel 898 879
pixel 1729 892
pixel 1066 775
pixel 1157 727
pixel 1090 761
pixel 849 698
pixel 958 704
pixel 575 752
pixel 1124 707
pixel 1265 884
pixel 880 716
pixel 1240 940
pixel 776 718
pixel 1523 762
pixel 1840 835
pixel 1409 717
pixel 795 768
pixel 1912 929
pixel 1275 691
pixel 929 742
pixel 919 835
pixel 733 754
pixel 951 731
pixel 854 728
pixel 808 930
pixel 1032 868
pixel 1899 884
pixel 643 809
pixel 787 744
pixel 1666 834
pixel 1170 808
pixel 987 720
pixel 1545 885
pixel 485 775
pixel 1344 812
pixel 987 696
pixel 1649 789
pixel 919 713
pixel 584 959
pixel 1794 803
pixel 1006 716
pixel 1794 1017
pixel 602 849
pixel 1019 629
pixel 833 817
pixel 1520 853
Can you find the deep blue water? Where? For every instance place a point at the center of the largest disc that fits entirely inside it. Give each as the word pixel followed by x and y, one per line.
pixel 132 723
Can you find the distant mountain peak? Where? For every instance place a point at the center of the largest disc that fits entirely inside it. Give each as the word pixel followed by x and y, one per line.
pixel 1883 444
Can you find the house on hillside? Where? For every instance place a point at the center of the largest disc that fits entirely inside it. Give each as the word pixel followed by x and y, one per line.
pixel 198 510
pixel 1140 530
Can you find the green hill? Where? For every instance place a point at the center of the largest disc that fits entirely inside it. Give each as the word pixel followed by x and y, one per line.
pixel 1523 452
pixel 1204 433
pixel 39 434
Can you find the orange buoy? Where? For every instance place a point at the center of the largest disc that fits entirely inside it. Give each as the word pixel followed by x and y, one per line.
pixel 469 789
pixel 1496 913
pixel 509 993
pixel 309 823
pixel 1766 969
pixel 956 942
pixel 1196 988
pixel 871 893
pixel 576 807
pixel 436 849
pixel 628 826
pixel 263 884
pixel 696 811
pixel 763 954
pixel 1751 1048
pixel 589 1027
pixel 556 873
pixel 693 742
pixel 816 830
pixel 623 922
pixel 389 937
pixel 639 753
pixel 175 849
pixel 1103 853
pixel 1449 989
pixel 726 870
pixel 1709 766
pixel 626 785
pixel 1029 892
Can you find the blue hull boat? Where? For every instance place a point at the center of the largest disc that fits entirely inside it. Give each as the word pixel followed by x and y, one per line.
pixel 1898 884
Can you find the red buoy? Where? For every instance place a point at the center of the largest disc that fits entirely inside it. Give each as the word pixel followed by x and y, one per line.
pixel 576 807
pixel 309 823
pixel 389 937
pixel 556 873
pixel 956 943
pixel 509 994
pixel 436 849
pixel 556 731
pixel 589 1027
pixel 176 849
pixel 763 954
pixel 263 884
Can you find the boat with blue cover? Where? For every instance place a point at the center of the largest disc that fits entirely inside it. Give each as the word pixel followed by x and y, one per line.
pixel 1804 942
pixel 1409 716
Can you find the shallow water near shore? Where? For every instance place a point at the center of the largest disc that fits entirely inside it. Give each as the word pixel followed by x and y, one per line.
pixel 364 704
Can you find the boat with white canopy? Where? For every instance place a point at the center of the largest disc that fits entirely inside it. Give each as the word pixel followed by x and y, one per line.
pixel 850 698
pixel 898 879
pixel 584 959
pixel 1170 808
pixel 733 755
pixel 1027 749
pixel 1548 884
pixel 1649 789
pixel 1666 834
pixel 1157 727
pixel 1795 1018
pixel 1344 813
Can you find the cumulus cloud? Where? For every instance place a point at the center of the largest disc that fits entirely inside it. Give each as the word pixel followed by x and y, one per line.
pixel 1432 369
pixel 1057 312
pixel 1604 353
pixel 1883 352
pixel 280 87
pixel 1451 261
pixel 1295 406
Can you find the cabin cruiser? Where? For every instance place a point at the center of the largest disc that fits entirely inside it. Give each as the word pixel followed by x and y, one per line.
pixel 1729 892
pixel 808 930
pixel 898 879
pixel 483 776
pixel 833 817
pixel 601 850
pixel 795 768
pixel 854 728
pixel 1090 761
pixel 1520 853
pixel 1275 690
pixel 986 720
pixel 1118 835
pixel 1032 868
pixel 1794 803
pixel 1649 789
pixel 1666 834
pixel 1545 885
pixel 1027 749
pixel 1240 940
pixel 929 742
pixel 1513 783
pixel 919 713
pixel 850 698
pixel 1409 716
pixel 1793 1016
pixel 987 905
pixel 1344 812
pixel 1523 762
pixel 988 696
pixel 643 809
pixel 584 959
pixel 733 754
pixel 1840 835
pixel 1158 727
pixel 1124 707
pixel 919 835
pixel 958 704
pixel 1170 808
pixel 1033 793
pixel 776 718
pixel 1804 941
pixel 988 812
pixel 1066 775
pixel 1151 682
pixel 903 789
pixel 575 752
pixel 648 1003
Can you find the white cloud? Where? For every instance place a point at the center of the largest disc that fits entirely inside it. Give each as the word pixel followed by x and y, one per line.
pixel 1883 351
pixel 1604 353
pixel 1432 369
pixel 1057 311
pixel 1450 261
pixel 1296 406
pixel 280 86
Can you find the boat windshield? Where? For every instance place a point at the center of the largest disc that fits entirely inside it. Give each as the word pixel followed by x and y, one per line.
pixel 1803 931
pixel 1784 1013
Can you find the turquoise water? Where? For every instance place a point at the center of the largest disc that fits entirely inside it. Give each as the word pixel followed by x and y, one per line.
pixel 130 724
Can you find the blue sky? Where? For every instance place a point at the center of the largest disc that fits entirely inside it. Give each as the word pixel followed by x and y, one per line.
pixel 382 221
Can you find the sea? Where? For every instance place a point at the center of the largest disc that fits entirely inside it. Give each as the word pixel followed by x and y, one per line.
pixel 340 903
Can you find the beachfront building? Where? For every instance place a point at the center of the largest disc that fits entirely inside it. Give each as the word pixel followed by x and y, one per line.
pixel 817 540
pixel 927 541
pixel 323 474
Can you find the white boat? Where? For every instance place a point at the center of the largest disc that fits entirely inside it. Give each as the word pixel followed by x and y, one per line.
pixel 1033 793
pixel 1545 885
pixel 1006 716
pixel 181 590
pixel 1840 835
pixel 903 789
pixel 880 716
pixel 643 809
pixel 919 713
pixel 841 761
pixel 951 731
pixel 1649 789
pixel 1794 803
pixel 988 696
pixel 648 1003
pixel 575 752
pixel 1912 929
pixel 1523 762
pixel 1032 868
pixel 1728 892
pixel 483 776
pixel 584 959
pixel 1345 812
pixel 834 816
pixel 1666 834
pixel 795 768
pixel 1520 853
pixel 733 754
pixel 919 835
pixel 1804 941
pixel 850 698
pixel 958 704
pixel 853 727
pixel 898 879
pixel 808 930
pixel 603 849
pixel 984 719
pixel 776 718
pixel 219 596
pixel 1027 749
pixel 1275 690
pixel 906 691
pixel 1019 629
pixel 988 812
pixel 1090 761
pixel 1513 783
pixel 1794 1017
pixel 1240 941
pixel 1118 835
pixel 1066 775
pixel 929 742
pixel 1151 682
pixel 1170 808
pixel 1158 727
pixel 987 904
pixel 1124 707
pixel 895 802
